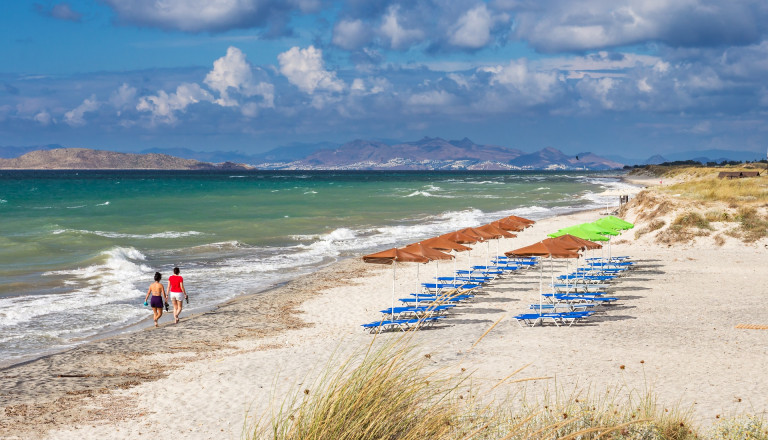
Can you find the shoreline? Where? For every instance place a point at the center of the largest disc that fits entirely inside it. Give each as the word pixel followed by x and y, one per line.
pixel 146 322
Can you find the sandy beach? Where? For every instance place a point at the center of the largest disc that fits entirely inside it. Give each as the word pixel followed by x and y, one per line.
pixel 674 331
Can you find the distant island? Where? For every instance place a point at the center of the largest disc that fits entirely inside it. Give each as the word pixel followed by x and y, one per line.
pixel 87 159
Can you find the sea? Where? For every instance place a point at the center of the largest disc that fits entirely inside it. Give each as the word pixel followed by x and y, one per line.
pixel 78 249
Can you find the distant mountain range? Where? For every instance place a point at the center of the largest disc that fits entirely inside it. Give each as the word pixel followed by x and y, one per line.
pixel 438 154
pixel 425 154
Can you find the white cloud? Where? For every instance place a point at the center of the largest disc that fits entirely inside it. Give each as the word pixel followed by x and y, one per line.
pixel 350 34
pixel 123 97
pixel 75 117
pixel 208 15
pixel 565 25
pixel 643 86
pixel 534 86
pixel 473 29
pixel 596 91
pixel 164 105
pixel 432 98
pixel 44 118
pixel 232 71
pixel 398 36
pixel 305 69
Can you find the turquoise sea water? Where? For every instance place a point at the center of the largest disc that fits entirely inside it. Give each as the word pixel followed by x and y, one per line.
pixel 78 249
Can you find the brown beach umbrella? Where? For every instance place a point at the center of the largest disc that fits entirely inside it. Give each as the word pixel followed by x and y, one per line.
pixel 462 238
pixel 459 237
pixel 393 256
pixel 480 235
pixel 428 252
pixel 569 241
pixel 497 232
pixel 522 220
pixel 509 225
pixel 573 242
pixel 565 244
pixel 541 249
pixel 445 245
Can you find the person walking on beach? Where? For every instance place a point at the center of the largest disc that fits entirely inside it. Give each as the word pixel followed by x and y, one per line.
pixel 178 293
pixel 157 291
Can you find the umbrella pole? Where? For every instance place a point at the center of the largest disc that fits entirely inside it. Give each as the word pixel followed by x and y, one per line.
pixel 454 267
pixel 541 289
pixel 394 269
pixel 418 284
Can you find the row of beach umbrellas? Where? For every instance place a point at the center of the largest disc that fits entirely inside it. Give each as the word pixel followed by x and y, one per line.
pixel 565 243
pixel 441 247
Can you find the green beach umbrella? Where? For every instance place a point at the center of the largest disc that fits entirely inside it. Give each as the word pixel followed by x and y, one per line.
pixel 621 222
pixel 606 222
pixel 578 231
pixel 598 229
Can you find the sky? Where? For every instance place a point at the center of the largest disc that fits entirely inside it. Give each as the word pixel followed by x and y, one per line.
pixel 614 77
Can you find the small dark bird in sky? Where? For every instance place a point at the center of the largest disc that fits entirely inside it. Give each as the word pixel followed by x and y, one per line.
pixel 577 157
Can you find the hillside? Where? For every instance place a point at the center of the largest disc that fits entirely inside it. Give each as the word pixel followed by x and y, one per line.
pixel 440 154
pixel 87 159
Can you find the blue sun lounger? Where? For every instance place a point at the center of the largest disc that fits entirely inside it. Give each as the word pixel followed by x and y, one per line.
pixel 438 299
pixel 400 324
pixel 564 318
pixel 439 287
pixel 590 288
pixel 572 307
pixel 562 297
pixel 410 312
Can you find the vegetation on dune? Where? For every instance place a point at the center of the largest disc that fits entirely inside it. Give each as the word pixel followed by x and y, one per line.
pixel 393 393
pixel 703 198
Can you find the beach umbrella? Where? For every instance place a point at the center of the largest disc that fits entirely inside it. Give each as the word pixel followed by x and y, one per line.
pixel 509 225
pixel 428 252
pixel 445 245
pixel 479 235
pixel 619 221
pixel 568 242
pixel 522 220
pixel 393 256
pixel 461 238
pixel 541 249
pixel 497 234
pixel 599 229
pixel 579 232
pixel 497 231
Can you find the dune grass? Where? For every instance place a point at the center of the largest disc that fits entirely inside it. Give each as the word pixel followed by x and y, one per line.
pixel 390 392
pixel 747 190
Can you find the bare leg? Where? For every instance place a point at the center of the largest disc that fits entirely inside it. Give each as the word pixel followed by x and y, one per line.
pixel 154 315
pixel 177 306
